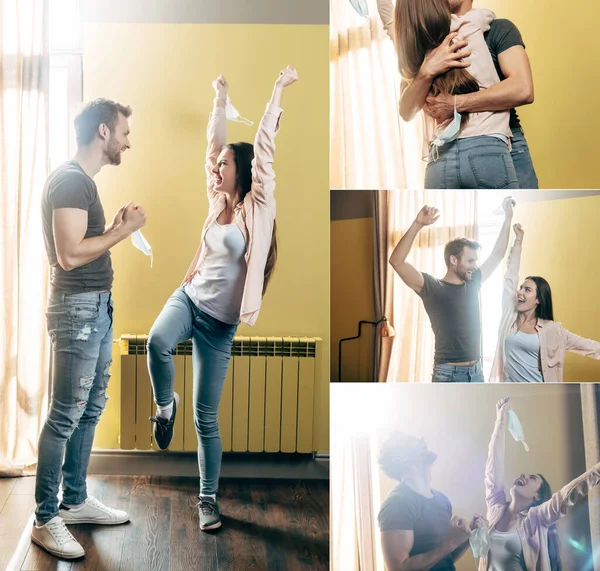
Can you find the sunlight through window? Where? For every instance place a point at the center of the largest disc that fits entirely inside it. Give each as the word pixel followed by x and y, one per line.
pixel 65 77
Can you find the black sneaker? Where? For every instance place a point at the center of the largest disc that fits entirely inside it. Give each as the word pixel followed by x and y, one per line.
pixel 208 513
pixel 163 428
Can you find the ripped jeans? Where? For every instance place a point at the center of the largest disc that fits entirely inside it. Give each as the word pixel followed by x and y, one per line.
pixel 80 327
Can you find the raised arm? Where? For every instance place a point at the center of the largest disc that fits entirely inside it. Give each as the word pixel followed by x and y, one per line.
pixel 263 175
pixel 552 510
pixel 216 135
pixel 511 278
pixel 446 56
pixel 493 261
pixel 412 277
pixel 494 467
pixel 386 13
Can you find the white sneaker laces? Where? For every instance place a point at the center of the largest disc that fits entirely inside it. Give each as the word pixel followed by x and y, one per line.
pixel 93 502
pixel 59 532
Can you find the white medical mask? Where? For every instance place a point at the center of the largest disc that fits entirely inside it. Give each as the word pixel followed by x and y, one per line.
pixel 515 428
pixel 142 245
pixel 233 115
pixel 361 7
pixel 450 133
pixel 480 541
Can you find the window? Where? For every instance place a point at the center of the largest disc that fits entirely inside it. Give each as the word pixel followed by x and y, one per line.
pixel 66 76
pixel 490 217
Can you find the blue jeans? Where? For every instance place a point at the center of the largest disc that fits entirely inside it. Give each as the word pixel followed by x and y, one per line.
pixel 522 160
pixel 474 162
pixel 80 327
pixel 458 373
pixel 212 340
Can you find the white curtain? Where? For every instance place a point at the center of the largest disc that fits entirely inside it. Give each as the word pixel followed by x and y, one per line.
pixel 371 147
pixel 354 527
pixel 24 345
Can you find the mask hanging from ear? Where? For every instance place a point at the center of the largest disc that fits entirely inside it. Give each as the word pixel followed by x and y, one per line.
pixel 450 133
pixel 233 114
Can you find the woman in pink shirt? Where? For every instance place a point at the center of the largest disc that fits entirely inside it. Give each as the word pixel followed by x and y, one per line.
pixel 531 345
pixel 522 531
pixel 223 285
pixel 468 151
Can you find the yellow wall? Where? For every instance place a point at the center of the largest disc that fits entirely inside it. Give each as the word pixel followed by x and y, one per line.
pixel 562 123
pixel 352 296
pixel 457 421
pixel 560 244
pixel 164 71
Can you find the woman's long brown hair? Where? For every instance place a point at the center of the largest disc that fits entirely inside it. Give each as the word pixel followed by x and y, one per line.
pixel 243 154
pixel 420 26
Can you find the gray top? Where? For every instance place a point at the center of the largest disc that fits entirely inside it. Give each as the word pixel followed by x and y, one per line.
pixel 453 311
pixel 70 187
pixel 522 358
pixel 506 551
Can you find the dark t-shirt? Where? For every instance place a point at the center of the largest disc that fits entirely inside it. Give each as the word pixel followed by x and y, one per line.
pixel 502 35
pixel 454 314
pixel 69 187
pixel 428 518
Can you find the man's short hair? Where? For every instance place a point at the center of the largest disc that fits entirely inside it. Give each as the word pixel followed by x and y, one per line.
pixel 95 113
pixel 398 453
pixel 455 248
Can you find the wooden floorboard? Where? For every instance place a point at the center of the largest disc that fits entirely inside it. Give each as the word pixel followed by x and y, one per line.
pixel 6 487
pixel 279 525
pixel 15 524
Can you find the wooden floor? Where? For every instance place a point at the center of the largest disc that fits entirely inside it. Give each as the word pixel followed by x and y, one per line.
pixel 267 525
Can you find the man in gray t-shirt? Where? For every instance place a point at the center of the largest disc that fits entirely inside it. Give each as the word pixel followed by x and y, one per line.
pixel 80 318
pixel 452 303
pixel 416 523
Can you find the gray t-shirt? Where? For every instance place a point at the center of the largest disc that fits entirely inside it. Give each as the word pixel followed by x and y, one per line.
pixel 522 352
pixel 70 187
pixel 502 35
pixel 428 519
pixel 506 551
pixel 455 319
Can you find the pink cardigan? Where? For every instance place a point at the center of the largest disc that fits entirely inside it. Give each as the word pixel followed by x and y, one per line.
pixel 532 524
pixel 555 341
pixel 256 214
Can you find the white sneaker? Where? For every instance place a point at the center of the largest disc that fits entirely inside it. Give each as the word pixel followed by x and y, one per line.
pixel 55 538
pixel 93 511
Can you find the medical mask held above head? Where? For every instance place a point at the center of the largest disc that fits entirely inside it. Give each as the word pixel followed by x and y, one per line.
pixel 450 133
pixel 515 428
pixel 361 7
pixel 142 245
pixel 233 114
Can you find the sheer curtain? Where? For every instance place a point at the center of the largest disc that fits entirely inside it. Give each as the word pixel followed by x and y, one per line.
pixel 24 348
pixel 371 147
pixel 383 282
pixel 354 532
pixel 411 357
pixel 590 403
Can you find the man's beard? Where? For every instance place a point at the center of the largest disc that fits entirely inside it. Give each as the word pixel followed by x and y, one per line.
pixel 462 274
pixel 113 152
